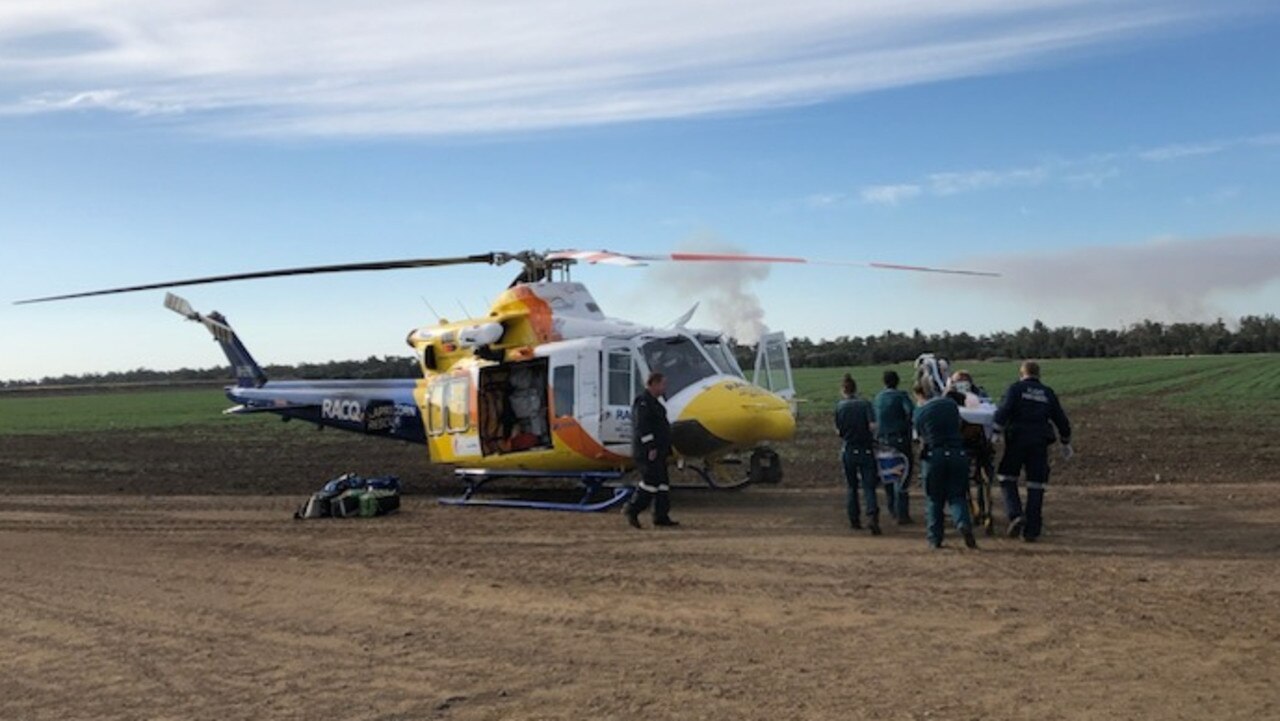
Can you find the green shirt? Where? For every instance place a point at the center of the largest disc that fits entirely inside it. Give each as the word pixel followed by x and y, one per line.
pixel 893 413
pixel 938 423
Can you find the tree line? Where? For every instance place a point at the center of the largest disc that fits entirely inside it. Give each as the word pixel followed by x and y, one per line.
pixel 1253 334
pixel 371 367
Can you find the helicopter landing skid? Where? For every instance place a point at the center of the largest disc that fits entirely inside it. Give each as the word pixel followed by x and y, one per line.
pixel 593 482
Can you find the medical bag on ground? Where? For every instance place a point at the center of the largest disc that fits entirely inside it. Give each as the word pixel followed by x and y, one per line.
pixel 378 503
pixel 346 505
pixel 352 496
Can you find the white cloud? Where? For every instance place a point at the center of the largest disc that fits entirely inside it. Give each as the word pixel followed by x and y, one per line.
pixel 971 180
pixel 1177 151
pixel 1092 170
pixel 99 100
pixel 888 194
pixel 1173 152
pixel 1219 196
pixel 1265 140
pixel 954 183
pixel 824 200
pixel 329 67
pixel 1093 178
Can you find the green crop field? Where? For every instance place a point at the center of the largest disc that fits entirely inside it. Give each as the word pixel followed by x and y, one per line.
pixel 1211 383
pixel 1214 383
pixel 153 408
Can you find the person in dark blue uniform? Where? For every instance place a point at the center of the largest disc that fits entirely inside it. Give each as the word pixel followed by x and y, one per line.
pixel 945 467
pixel 855 421
pixel 1024 416
pixel 893 429
pixel 650 448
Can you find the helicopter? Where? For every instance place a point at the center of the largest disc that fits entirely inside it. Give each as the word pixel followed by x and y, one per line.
pixel 541 386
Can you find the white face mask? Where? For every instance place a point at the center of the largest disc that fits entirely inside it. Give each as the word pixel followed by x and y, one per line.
pixel 962 386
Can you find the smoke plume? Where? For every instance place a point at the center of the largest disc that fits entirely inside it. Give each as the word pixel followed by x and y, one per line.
pixel 724 289
pixel 1172 280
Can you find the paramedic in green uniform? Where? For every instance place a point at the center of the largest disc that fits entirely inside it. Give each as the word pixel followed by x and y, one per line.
pixel 855 422
pixel 945 467
pixel 893 429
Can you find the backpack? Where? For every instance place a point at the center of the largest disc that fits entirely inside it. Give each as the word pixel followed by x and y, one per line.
pixel 351 496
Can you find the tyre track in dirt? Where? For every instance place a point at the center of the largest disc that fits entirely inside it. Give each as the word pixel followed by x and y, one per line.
pixel 1147 600
pixel 761 607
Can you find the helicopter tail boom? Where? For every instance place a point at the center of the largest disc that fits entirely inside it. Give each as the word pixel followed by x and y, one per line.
pixel 247 371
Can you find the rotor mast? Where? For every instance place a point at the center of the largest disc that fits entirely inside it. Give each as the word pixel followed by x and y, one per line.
pixel 538 267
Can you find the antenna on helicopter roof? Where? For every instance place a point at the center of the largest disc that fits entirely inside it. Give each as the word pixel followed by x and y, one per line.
pixel 682 320
pixel 430 308
pixel 465 313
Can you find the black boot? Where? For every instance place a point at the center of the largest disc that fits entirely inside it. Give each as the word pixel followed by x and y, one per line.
pixel 634 507
pixel 662 510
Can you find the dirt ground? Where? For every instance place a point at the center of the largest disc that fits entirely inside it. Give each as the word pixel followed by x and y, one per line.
pixel 136 584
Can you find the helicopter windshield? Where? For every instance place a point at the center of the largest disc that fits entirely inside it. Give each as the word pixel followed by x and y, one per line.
pixel 679 359
pixel 721 355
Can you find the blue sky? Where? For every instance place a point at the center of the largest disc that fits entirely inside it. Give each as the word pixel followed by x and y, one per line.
pixel 1115 160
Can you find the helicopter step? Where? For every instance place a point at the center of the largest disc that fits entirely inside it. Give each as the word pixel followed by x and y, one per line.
pixel 593 483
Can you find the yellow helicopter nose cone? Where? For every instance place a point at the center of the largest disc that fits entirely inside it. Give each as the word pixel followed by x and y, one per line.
pixel 731 414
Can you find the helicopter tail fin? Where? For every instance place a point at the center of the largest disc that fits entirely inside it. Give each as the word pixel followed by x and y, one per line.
pixel 248 373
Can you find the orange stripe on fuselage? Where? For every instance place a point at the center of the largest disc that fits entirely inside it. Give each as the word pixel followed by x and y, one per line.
pixel 539 314
pixel 571 433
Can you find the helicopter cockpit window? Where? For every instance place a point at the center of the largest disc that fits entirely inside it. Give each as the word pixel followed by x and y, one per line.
pixel 679 359
pixel 721 355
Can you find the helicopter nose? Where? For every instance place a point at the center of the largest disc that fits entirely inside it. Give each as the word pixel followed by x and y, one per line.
pixel 731 414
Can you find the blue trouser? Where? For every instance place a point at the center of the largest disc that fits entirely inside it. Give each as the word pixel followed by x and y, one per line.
pixel 1034 456
pixel 945 474
pixel 898 500
pixel 860 471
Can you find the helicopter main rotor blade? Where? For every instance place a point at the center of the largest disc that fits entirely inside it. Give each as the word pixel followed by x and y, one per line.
pixel 611 258
pixel 487 258
pixel 593 257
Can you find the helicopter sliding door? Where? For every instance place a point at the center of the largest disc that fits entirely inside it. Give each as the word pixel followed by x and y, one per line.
pixel 620 383
pixel 575 385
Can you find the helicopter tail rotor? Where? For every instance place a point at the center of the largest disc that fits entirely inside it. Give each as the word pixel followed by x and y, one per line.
pixel 248 373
